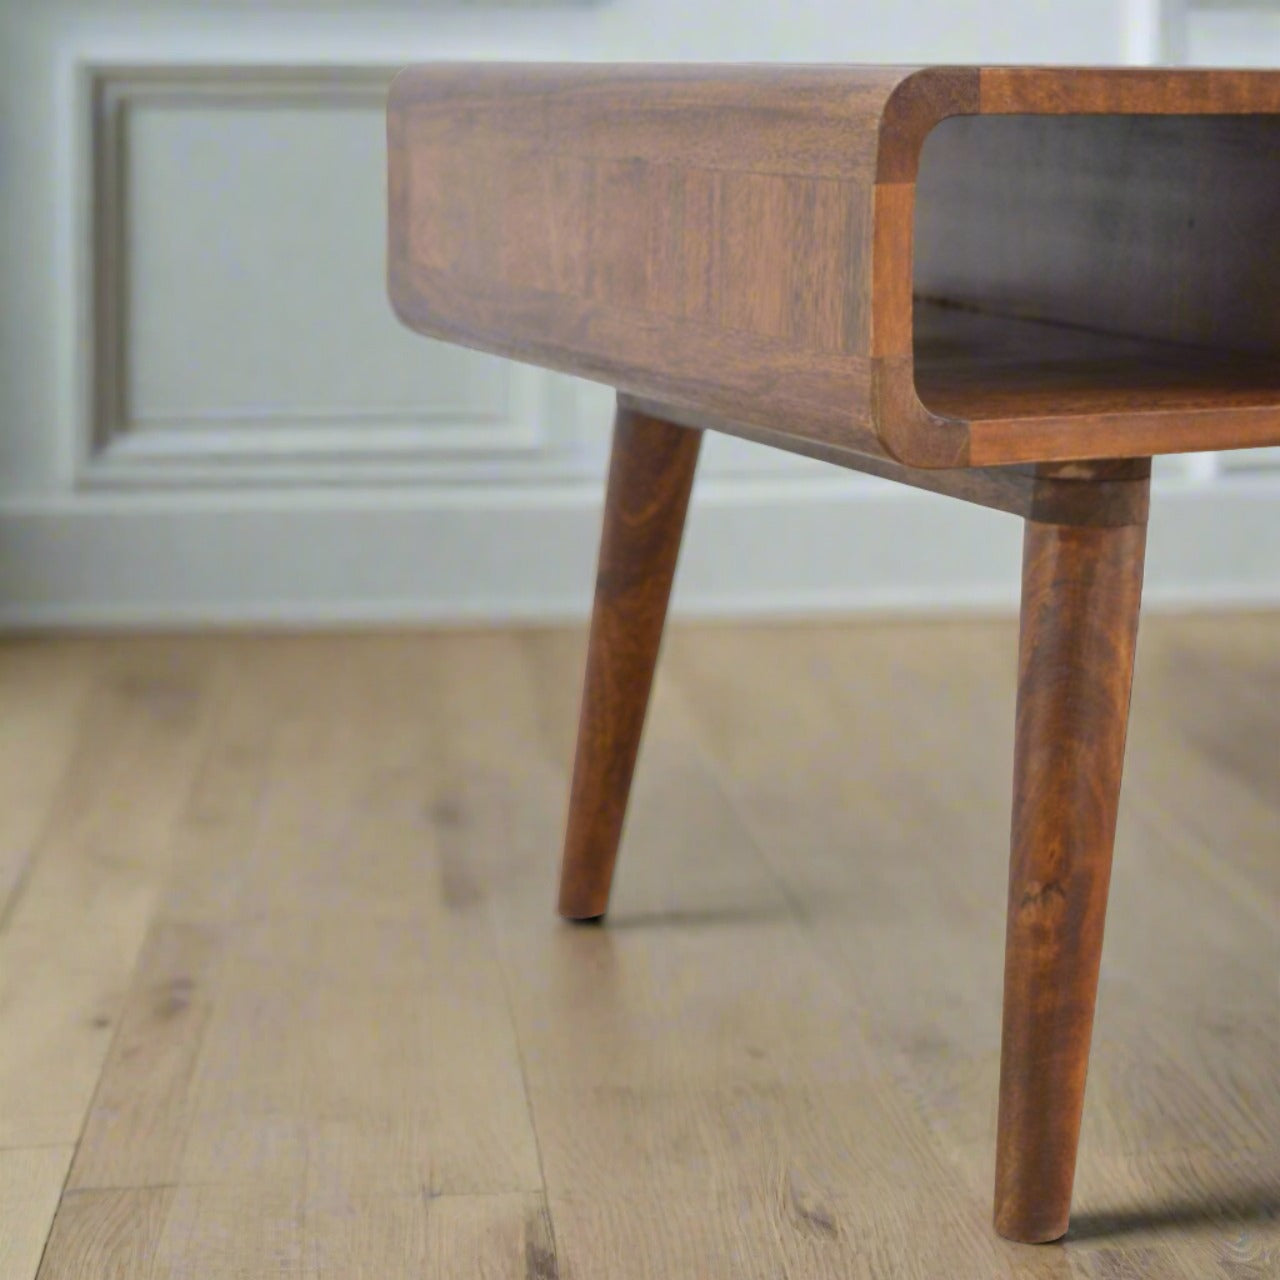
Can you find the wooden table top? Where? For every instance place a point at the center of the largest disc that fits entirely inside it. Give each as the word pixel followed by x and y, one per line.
pixel 948 267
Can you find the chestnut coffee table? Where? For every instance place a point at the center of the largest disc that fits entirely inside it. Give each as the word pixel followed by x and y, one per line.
pixel 1009 285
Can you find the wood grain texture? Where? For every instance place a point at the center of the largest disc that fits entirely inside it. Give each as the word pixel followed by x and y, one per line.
pixel 107 1235
pixel 1031 388
pixel 640 203
pixel 1082 591
pixel 43 691
pixel 650 478
pixel 225 1068
pixel 31 1181
pixel 783 1052
pixel 1128 91
pixel 227 1232
pixel 753 245
pixel 77 924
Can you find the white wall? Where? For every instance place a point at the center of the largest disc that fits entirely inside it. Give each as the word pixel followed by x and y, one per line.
pixel 229 426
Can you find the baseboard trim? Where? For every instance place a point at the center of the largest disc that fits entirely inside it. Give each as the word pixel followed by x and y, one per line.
pixel 755 549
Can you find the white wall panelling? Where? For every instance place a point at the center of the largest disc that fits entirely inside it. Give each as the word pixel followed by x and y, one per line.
pixel 238 327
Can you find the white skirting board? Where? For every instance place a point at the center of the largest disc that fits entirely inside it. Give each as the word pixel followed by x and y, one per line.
pixel 768 548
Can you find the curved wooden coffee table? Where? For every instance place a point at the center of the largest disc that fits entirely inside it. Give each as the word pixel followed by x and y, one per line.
pixel 1010 285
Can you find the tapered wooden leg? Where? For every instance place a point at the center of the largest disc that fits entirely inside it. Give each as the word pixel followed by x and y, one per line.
pixel 650 476
pixel 1081 589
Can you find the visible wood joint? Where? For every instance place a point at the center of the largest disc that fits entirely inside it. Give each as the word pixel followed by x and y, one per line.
pixel 1107 494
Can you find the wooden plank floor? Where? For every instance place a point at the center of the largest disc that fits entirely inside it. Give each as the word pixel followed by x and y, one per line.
pixel 282 993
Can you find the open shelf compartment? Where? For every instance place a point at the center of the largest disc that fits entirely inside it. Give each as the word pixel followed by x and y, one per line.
pixel 1082 265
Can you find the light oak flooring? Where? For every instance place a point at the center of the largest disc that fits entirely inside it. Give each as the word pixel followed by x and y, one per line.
pixel 282 992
